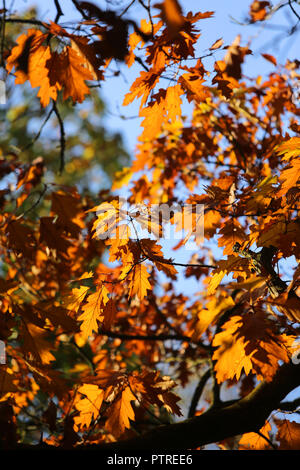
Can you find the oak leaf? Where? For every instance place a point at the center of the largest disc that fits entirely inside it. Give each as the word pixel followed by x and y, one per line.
pixel 255 441
pixel 139 284
pixel 288 434
pixel 120 413
pixel 93 311
pixel 89 406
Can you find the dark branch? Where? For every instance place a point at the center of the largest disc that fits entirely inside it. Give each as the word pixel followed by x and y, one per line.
pixel 198 392
pixel 62 138
pixel 246 415
pixel 58 10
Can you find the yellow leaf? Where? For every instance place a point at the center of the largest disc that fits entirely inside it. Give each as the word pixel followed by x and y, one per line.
pixel 248 342
pixel 75 299
pixel 171 13
pixel 122 178
pixel 210 314
pixel 289 176
pixel 93 311
pixel 290 148
pixel 217 44
pixel 120 412
pixel 88 407
pixel 139 283
pixel 253 441
pixel 233 263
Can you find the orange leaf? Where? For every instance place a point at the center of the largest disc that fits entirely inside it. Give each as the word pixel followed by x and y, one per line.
pixel 232 232
pixel 172 15
pixel 120 412
pixel 89 406
pixel 289 148
pixel 93 311
pixel 289 176
pixel 248 342
pixel 142 87
pixel 217 44
pixel 72 75
pixel 253 441
pixel 259 10
pixel 36 343
pixel 270 58
pixel 139 283
pixel 288 434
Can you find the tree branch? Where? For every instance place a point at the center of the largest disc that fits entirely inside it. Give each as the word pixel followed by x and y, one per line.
pixel 245 415
pixel 62 138
pixel 198 392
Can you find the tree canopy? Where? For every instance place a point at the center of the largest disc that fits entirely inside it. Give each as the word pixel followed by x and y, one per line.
pixel 103 332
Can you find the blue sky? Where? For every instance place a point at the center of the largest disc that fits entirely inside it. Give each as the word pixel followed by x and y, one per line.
pixel 223 24
pixel 226 24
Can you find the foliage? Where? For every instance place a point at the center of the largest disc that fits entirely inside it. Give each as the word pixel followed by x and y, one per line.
pixel 89 320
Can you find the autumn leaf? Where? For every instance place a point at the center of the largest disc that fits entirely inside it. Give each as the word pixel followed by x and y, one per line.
pixel 88 406
pixel 259 10
pixel 248 343
pixel 288 434
pixel 171 13
pixel 231 233
pixel 217 44
pixel 72 75
pixel 88 54
pixel 211 313
pixel 142 87
pixel 234 58
pixel 289 176
pixel 270 58
pixel 74 300
pixel 120 413
pixel 26 55
pixel 224 267
pixel 155 254
pixel 31 60
pixel 139 283
pixel 36 343
pixel 289 148
pixel 108 216
pixel 93 311
pixel 255 441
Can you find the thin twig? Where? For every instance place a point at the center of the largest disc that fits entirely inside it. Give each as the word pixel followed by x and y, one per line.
pixel 39 132
pixel 126 9
pixel 3 22
pixel 293 10
pixel 274 447
pixel 131 337
pixel 62 138
pixel 32 21
pixel 59 11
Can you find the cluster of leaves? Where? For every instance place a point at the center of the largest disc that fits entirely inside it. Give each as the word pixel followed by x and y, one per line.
pixel 86 339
